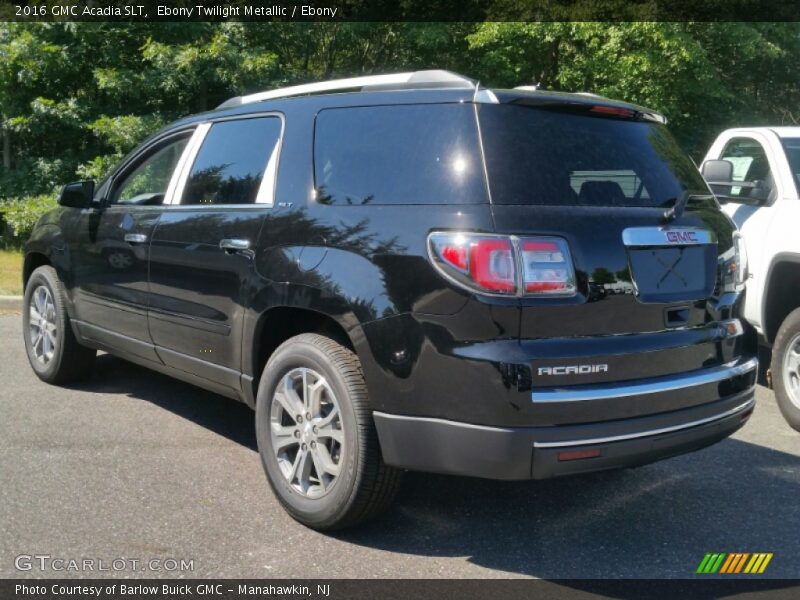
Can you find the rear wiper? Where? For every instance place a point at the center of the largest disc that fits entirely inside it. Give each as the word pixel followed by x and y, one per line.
pixel 678 205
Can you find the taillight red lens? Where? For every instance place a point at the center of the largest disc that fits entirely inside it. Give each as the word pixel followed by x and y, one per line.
pixel 492 265
pixel 456 256
pixel 489 263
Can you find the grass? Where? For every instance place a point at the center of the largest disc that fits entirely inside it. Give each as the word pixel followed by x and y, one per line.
pixel 10 272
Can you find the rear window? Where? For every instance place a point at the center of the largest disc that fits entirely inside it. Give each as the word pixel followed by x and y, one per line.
pixel 540 156
pixel 420 154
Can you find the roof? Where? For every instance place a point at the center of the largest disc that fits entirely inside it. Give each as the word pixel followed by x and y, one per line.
pixel 781 131
pixel 437 85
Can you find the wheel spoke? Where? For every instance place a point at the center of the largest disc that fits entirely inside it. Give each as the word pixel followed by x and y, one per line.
pixel 330 431
pixel 50 312
pixel 301 470
pixel 289 399
pixel 314 396
pixel 47 346
pixel 34 315
pixel 39 299
pixel 282 438
pixel 306 394
pixel 323 461
pixel 37 344
pixel 793 358
pixel 329 418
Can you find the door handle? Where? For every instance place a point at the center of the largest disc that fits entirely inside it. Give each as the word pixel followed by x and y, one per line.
pixel 233 245
pixel 135 238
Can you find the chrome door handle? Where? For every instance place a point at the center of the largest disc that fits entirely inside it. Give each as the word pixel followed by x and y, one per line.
pixel 232 245
pixel 135 238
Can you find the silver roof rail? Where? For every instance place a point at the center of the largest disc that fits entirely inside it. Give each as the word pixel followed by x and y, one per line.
pixel 394 81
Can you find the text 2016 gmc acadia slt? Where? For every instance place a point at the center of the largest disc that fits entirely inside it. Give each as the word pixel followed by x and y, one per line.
pixel 410 271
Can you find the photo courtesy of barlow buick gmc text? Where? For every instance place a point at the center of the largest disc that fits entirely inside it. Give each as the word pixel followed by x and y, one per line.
pixel 295 305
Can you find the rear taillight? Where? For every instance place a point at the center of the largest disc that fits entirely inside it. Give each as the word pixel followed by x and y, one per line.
pixel 504 265
pixel 546 266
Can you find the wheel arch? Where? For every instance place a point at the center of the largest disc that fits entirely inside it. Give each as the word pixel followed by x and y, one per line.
pixel 33 260
pixel 279 323
pixel 781 293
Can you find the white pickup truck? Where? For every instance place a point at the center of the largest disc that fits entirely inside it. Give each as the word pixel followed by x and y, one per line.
pixel 761 167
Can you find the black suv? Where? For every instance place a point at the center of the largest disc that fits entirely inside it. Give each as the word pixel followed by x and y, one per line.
pixel 410 271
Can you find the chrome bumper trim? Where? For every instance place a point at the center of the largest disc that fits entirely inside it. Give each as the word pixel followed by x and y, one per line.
pixel 608 391
pixel 639 434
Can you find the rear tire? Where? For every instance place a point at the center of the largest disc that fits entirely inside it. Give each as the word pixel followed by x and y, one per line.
pixel 786 368
pixel 326 471
pixel 54 353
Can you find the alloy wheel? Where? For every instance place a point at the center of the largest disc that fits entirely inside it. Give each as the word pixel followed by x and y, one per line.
pixel 791 370
pixel 307 435
pixel 42 325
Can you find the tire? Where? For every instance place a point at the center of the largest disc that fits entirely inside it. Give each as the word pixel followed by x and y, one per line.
pixel 786 368
pixel 339 441
pixel 56 356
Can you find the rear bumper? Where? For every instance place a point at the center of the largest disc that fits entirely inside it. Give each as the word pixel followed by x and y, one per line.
pixel 513 453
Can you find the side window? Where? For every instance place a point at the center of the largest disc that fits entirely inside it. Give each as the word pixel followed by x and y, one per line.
pixel 792 147
pixel 749 163
pixel 409 154
pixel 236 163
pixel 147 183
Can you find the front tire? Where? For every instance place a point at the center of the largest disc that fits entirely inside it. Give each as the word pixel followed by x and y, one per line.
pixel 786 368
pixel 53 351
pixel 316 436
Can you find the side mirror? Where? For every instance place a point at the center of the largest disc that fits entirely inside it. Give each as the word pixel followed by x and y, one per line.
pixel 718 170
pixel 719 176
pixel 78 194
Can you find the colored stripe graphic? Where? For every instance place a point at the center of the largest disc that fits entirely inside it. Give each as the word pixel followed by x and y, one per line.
pixel 703 563
pixel 729 562
pixel 711 562
pixel 741 562
pixel 734 562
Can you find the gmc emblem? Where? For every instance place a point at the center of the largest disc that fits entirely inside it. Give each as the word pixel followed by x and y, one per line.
pixel 681 237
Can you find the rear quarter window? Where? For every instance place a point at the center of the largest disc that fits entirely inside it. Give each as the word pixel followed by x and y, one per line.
pixel 409 154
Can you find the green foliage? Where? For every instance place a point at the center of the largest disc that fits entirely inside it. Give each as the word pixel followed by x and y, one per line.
pixel 76 97
pixel 703 76
pixel 20 215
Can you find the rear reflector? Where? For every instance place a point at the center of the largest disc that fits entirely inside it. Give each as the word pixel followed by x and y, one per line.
pixel 578 454
pixel 505 265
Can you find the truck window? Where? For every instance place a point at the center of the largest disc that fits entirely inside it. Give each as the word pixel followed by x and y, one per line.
pixel 792 148
pixel 749 163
